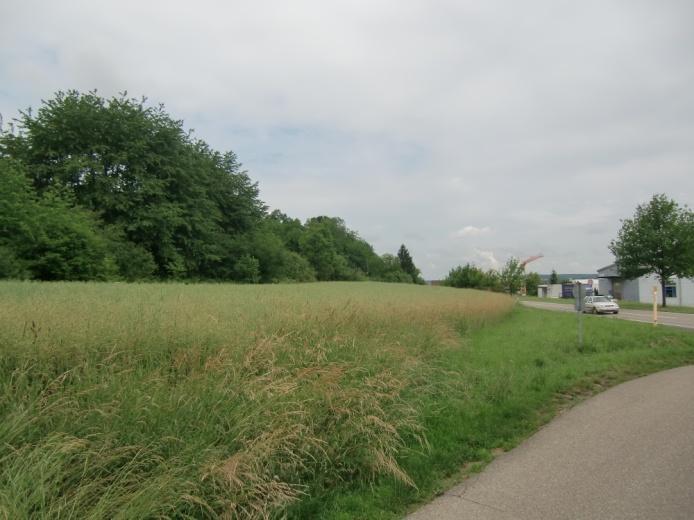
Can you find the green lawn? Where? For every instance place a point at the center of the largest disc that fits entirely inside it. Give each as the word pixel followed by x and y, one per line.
pixel 564 301
pixel 648 307
pixel 335 400
pixel 622 303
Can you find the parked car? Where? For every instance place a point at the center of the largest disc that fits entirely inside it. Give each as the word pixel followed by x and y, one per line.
pixel 600 305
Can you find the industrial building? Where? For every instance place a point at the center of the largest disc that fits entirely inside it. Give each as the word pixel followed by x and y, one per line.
pixel 566 289
pixel 678 291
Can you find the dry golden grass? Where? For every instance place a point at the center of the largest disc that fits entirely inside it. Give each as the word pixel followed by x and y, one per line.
pixel 213 400
pixel 312 401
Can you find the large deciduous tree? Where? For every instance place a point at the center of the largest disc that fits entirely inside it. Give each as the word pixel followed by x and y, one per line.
pixel 94 188
pixel 658 240
pixel 164 194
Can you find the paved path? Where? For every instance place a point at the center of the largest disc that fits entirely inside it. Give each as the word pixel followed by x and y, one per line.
pixel 627 453
pixel 673 319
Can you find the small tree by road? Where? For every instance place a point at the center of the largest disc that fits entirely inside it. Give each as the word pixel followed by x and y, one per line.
pixel 512 276
pixel 532 281
pixel 659 239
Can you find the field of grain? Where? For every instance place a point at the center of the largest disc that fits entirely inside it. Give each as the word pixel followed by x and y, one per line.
pixel 195 401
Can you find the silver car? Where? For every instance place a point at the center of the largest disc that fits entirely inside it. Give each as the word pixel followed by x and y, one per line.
pixel 600 305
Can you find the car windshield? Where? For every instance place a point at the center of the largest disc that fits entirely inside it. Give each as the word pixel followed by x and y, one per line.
pixel 600 299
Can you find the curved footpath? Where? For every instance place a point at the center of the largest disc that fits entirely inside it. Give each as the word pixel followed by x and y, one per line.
pixel 625 453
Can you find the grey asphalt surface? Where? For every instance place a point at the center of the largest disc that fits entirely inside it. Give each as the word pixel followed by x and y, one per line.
pixel 672 319
pixel 627 453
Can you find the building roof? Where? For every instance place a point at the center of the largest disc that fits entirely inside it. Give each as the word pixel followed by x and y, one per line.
pixel 609 271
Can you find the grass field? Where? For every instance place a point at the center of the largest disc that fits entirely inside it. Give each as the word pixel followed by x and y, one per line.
pixel 335 400
pixel 622 303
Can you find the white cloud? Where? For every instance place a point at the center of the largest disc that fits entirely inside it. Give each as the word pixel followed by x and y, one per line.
pixel 487 259
pixel 472 231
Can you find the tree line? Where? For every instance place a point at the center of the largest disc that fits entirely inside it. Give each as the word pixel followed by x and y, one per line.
pixel 115 189
pixel 510 279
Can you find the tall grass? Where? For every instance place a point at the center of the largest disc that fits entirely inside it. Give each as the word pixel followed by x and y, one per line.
pixel 335 400
pixel 216 401
pixel 513 377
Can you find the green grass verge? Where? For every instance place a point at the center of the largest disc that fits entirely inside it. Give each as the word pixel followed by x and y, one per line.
pixel 341 400
pixel 622 303
pixel 510 379
pixel 649 307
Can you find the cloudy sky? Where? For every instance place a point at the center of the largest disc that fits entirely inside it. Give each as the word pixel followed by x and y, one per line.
pixel 468 130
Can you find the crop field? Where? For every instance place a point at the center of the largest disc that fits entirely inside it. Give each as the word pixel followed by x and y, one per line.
pixel 330 400
pixel 213 400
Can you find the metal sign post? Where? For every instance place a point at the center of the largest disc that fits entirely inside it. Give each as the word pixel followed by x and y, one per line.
pixel 655 305
pixel 579 295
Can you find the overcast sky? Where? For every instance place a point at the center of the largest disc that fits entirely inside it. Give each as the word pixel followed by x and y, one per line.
pixel 471 131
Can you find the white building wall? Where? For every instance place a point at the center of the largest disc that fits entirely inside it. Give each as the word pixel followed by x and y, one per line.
pixel 605 286
pixel 631 290
pixel 685 290
pixel 642 289
pixel 549 290
pixel 554 290
pixel 646 284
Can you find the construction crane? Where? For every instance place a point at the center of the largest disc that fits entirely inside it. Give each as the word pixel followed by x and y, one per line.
pixel 525 262
pixel 530 259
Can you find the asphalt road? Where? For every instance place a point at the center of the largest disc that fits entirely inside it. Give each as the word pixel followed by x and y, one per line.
pixel 664 318
pixel 627 453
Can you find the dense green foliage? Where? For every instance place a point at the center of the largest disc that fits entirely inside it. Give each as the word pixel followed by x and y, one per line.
pixel 659 239
pixel 116 189
pixel 47 236
pixel 510 279
pixel 512 276
pixel 307 401
pixel 472 277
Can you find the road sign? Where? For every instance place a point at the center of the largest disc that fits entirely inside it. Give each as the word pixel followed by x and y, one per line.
pixel 579 296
